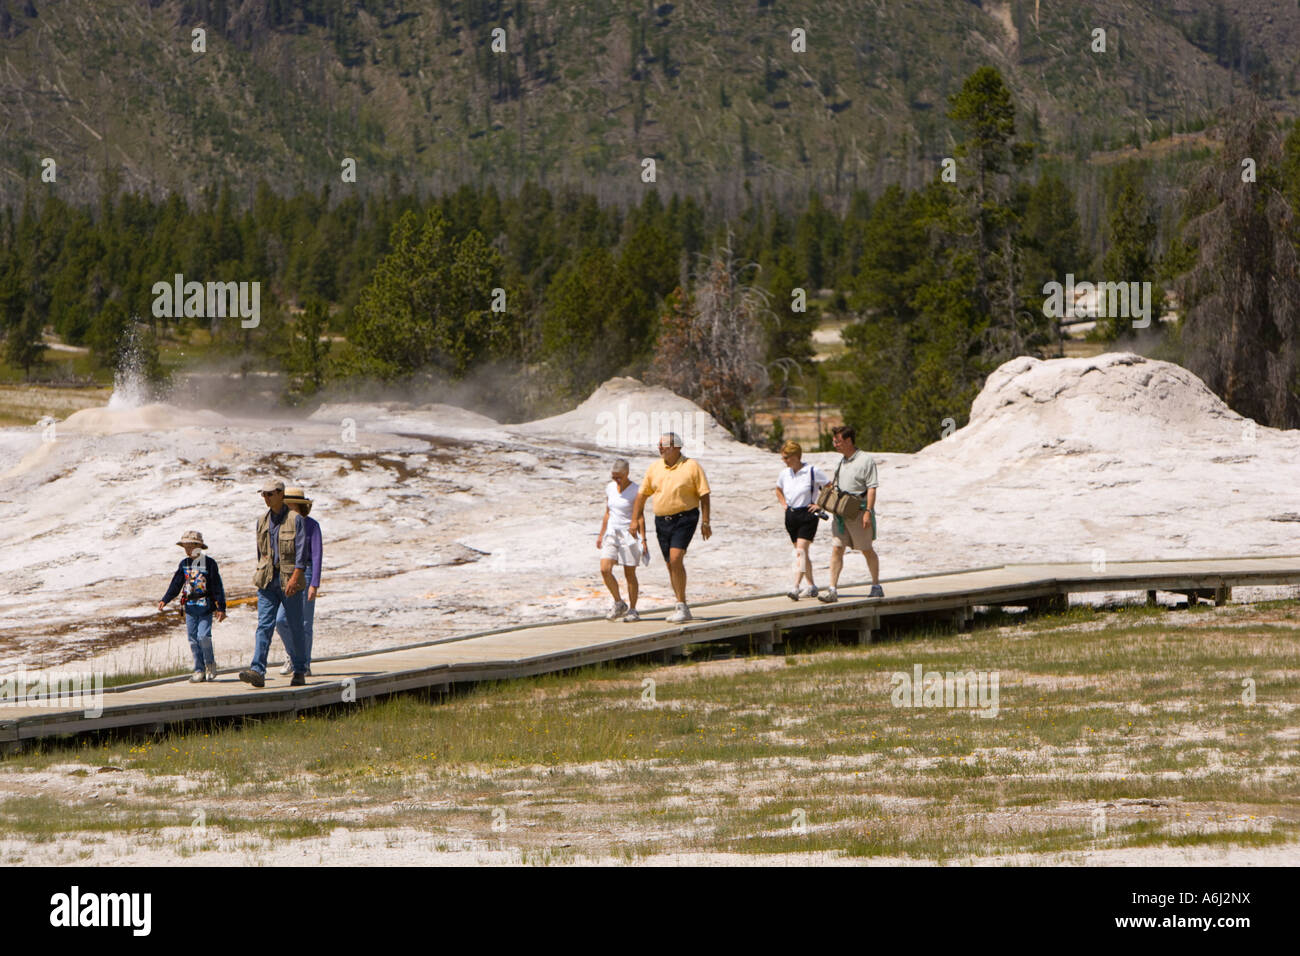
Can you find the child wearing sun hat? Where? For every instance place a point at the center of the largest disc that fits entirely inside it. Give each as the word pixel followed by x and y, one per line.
pixel 198 582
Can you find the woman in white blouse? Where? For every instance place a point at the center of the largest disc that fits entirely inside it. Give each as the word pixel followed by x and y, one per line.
pixel 796 489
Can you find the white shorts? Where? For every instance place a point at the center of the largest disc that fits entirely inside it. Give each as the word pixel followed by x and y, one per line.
pixel 621 547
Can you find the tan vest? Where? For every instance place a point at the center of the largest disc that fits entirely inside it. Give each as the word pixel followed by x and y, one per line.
pixel 265 572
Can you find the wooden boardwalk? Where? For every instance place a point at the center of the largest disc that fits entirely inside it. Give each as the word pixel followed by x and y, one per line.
pixel 542 648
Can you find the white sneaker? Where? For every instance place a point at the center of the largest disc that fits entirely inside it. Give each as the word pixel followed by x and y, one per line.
pixel 196 677
pixel 792 594
pixel 617 611
pixel 809 592
pixel 681 615
pixel 828 596
pixel 632 615
pixel 287 669
pixel 211 672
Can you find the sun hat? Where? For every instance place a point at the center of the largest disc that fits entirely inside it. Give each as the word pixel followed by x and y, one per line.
pixel 271 485
pixel 296 496
pixel 191 537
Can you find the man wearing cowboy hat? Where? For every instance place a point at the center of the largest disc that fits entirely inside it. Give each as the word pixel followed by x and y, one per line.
pixel 281 545
pixel 299 502
pixel 198 582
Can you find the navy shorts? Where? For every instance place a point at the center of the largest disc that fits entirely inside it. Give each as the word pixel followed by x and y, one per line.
pixel 676 531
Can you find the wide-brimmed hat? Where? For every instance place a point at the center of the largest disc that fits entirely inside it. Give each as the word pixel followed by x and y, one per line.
pixel 295 496
pixel 191 537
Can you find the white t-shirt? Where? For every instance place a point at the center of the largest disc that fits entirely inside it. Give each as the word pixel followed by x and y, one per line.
pixel 795 486
pixel 620 506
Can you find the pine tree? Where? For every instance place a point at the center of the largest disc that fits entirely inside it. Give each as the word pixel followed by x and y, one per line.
pixel 1290 175
pixel 11 287
pixel 894 243
pixel 429 303
pixel 1242 298
pixel 308 355
pixel 983 224
pixel 24 348
pixel 108 330
pixel 789 334
pixel 1132 231
pixel 584 335
pixel 648 269
pixel 817 238
pixel 1050 235
pixel 881 349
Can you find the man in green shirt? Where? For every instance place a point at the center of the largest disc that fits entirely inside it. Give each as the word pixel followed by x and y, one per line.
pixel 856 476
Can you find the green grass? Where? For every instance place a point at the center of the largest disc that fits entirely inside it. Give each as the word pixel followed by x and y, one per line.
pixel 43 818
pixel 137 677
pixel 61 366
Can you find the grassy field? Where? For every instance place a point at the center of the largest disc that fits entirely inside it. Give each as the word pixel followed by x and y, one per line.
pixel 28 404
pixel 1124 730
pixel 24 402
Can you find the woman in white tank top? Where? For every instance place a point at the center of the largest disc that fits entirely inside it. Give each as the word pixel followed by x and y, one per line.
pixel 617 541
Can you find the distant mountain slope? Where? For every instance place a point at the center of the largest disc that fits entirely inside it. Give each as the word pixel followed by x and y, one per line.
pixel 288 88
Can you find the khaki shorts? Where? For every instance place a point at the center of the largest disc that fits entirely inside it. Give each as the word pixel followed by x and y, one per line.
pixel 854 536
pixel 621 547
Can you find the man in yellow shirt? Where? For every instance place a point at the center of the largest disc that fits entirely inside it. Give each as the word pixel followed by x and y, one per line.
pixel 681 494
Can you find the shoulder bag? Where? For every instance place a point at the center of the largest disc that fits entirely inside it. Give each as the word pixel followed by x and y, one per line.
pixel 836 502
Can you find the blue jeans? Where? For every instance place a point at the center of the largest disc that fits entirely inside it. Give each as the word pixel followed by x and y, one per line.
pixel 270 601
pixel 308 619
pixel 198 625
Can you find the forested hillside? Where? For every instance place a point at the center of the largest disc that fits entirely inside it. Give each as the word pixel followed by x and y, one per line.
pixel 719 93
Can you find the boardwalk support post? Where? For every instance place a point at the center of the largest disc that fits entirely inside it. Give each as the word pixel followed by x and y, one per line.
pixel 1151 599
pixel 1196 595
pixel 669 655
pixel 768 639
pixel 1222 595
pixel 866 628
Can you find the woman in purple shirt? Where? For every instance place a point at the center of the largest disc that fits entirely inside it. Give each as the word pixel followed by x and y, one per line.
pixel 299 502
